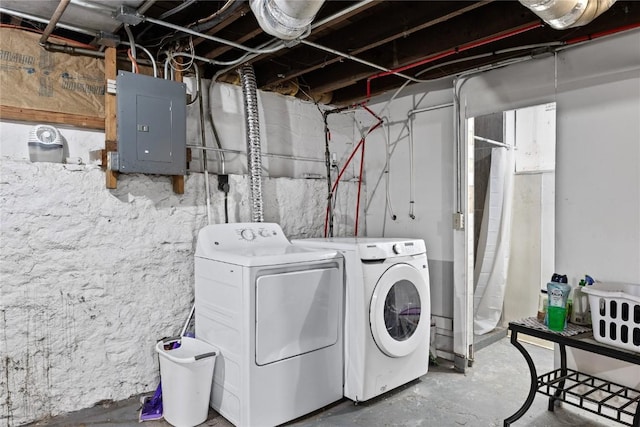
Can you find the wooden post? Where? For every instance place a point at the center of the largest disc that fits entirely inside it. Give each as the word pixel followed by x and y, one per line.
pixel 110 122
pixel 178 180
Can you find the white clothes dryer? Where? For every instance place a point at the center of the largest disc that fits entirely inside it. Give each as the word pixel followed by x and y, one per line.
pixel 387 312
pixel 274 311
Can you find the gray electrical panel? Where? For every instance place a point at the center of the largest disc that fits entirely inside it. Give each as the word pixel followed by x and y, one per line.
pixel 152 125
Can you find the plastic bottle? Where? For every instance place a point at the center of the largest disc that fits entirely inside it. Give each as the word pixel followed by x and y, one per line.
pixel 581 312
pixel 542 306
pixel 558 292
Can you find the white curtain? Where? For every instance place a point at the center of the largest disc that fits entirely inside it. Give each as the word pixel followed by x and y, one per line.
pixel 492 261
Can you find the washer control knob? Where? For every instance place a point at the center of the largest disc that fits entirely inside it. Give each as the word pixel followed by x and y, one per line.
pixel 247 234
pixel 398 248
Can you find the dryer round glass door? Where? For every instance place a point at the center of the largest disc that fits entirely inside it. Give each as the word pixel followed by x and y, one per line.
pixel 399 310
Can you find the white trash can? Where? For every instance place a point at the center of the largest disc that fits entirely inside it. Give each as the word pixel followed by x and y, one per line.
pixel 186 374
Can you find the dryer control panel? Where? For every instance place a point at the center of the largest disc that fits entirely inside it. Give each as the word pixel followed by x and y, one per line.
pixel 243 234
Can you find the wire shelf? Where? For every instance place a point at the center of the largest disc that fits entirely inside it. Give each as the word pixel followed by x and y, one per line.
pixel 610 400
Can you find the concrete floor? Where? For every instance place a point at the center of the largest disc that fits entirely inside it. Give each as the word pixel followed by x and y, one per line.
pixel 493 389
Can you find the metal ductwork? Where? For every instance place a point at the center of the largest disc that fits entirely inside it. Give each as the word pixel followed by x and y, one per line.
pixel 254 152
pixel 285 19
pixel 561 14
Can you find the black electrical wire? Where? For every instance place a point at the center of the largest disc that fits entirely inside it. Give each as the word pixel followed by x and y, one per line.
pixel 226 207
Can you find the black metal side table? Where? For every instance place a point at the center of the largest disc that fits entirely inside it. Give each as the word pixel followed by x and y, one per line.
pixel 596 395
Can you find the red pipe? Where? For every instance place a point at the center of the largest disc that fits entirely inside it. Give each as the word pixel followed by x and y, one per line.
pixel 453 51
pixel 602 34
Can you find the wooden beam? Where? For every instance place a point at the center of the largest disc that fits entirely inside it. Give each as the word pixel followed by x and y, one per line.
pixel 178 183
pixel 178 180
pixel 225 48
pixel 110 109
pixel 377 36
pixel 431 42
pixel 41 116
pixel 239 13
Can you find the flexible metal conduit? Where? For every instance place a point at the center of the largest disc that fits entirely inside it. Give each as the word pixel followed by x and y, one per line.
pixel 254 157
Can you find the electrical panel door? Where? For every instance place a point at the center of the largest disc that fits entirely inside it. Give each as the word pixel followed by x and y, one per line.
pixel 151 125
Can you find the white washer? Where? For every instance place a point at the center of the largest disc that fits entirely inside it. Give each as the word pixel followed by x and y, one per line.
pixel 274 311
pixel 387 312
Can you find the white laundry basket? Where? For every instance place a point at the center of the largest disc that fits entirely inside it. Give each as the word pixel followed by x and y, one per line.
pixel 186 374
pixel 615 314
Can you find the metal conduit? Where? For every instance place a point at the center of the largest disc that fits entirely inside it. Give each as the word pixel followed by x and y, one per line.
pixel 492 142
pixel 254 157
pixel 339 14
pixel 361 61
pixel 277 156
pixel 42 20
pixel 203 141
pixel 146 51
pixel 207 36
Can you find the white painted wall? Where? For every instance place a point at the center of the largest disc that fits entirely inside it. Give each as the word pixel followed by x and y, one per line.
pixel 90 278
pixel 597 90
pixel 532 257
pixel 434 194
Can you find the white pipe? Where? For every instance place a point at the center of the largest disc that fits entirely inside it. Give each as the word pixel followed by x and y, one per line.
pixel 411 177
pixel 285 19
pixel 388 177
pixel 410 115
pixel 435 107
pixel 492 142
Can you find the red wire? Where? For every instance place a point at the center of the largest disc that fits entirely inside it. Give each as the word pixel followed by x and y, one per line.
pixel 602 34
pixel 344 167
pixel 133 61
pixel 335 184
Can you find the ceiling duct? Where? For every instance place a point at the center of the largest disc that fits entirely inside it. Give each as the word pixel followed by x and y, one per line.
pixel 561 14
pixel 285 19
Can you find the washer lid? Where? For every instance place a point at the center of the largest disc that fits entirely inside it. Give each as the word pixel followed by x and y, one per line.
pixel 253 244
